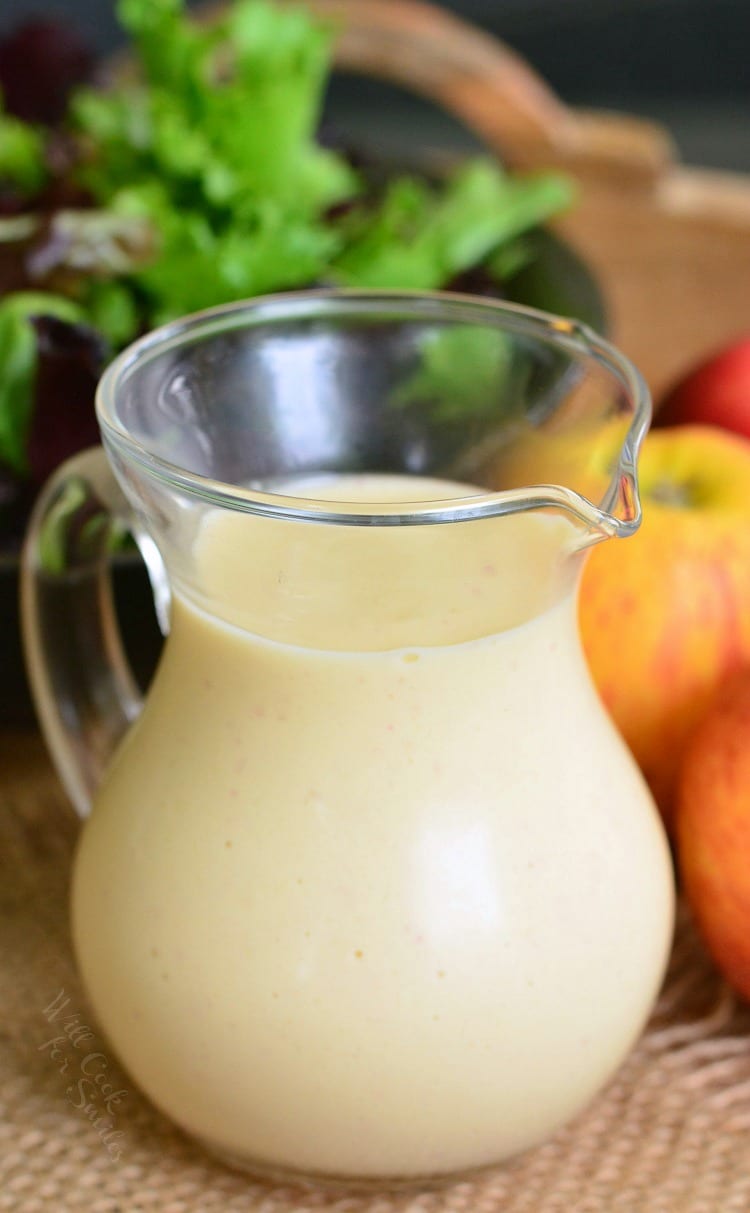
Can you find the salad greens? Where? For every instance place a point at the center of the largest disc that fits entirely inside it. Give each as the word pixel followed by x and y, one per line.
pixel 197 178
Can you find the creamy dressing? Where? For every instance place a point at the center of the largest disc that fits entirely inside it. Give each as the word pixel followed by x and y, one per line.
pixel 382 895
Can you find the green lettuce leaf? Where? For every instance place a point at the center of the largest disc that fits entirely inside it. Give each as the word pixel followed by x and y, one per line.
pixel 21 154
pixel 215 147
pixel 18 364
pixel 464 372
pixel 421 237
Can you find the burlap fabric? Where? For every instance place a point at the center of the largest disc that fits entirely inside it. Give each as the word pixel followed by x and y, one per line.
pixel 670 1135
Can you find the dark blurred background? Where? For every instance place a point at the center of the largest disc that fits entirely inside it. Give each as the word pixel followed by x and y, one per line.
pixel 685 63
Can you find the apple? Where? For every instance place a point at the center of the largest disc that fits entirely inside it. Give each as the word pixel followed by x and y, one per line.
pixel 665 614
pixel 578 454
pixel 713 829
pixel 715 393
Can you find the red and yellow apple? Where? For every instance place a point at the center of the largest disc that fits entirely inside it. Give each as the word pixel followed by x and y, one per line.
pixel 717 392
pixel 665 614
pixel 713 829
pixel 577 454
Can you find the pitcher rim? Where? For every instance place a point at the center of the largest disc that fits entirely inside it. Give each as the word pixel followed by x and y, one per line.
pixel 571 334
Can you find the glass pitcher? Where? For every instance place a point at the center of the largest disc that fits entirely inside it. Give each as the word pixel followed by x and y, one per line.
pixel 371 892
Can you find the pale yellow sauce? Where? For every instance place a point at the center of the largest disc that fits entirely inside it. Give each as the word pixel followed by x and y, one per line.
pixel 385 912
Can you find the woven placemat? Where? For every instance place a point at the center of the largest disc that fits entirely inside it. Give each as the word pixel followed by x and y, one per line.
pixel 670 1135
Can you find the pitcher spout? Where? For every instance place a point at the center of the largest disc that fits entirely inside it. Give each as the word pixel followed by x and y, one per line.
pixel 580 454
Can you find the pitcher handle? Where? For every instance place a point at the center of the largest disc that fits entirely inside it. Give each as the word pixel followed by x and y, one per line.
pixel 85 692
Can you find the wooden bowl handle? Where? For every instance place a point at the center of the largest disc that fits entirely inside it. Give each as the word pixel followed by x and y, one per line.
pixel 430 51
pixel 489 87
